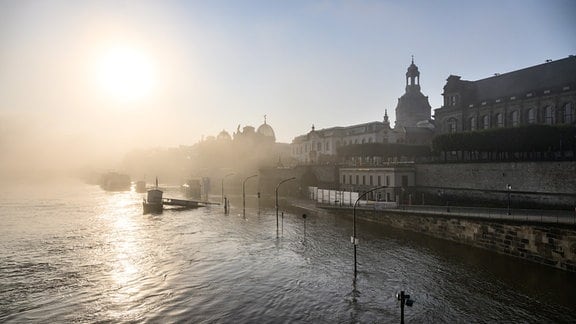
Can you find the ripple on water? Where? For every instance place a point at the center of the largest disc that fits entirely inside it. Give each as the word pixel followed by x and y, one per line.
pixel 90 256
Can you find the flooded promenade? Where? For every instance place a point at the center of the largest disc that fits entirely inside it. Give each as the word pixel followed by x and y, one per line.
pixel 77 254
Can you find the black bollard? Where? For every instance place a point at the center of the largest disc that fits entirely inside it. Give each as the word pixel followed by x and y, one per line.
pixel 404 300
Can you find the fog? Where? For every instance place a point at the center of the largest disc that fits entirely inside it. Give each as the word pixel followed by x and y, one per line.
pixel 84 84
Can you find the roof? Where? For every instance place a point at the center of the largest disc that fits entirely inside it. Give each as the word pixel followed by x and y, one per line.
pixel 548 75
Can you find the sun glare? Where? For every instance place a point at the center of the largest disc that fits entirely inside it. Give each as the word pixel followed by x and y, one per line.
pixel 126 74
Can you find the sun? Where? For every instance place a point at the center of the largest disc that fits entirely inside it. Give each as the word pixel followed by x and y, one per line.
pixel 125 74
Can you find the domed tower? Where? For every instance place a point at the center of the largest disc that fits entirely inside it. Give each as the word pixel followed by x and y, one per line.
pixel 266 131
pixel 224 136
pixel 413 106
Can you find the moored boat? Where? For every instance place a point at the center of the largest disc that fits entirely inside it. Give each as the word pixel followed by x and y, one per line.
pixel 153 204
pixel 113 181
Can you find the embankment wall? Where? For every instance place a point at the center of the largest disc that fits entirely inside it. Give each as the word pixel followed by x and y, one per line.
pixel 545 244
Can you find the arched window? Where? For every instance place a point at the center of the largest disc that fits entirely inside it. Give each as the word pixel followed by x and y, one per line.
pixel 531 116
pixel 485 122
pixel 472 123
pixel 363 141
pixel 452 125
pixel 569 117
pixel 499 120
pixel 548 115
pixel 515 118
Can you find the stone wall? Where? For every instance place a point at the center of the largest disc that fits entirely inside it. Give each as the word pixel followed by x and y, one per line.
pixel 545 183
pixel 550 245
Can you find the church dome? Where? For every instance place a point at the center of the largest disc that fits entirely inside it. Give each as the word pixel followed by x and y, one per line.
pixel 266 130
pixel 224 136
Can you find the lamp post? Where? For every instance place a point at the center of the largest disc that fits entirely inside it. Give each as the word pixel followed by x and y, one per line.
pixel 354 239
pixel 509 187
pixel 226 176
pixel 244 193
pixel 276 192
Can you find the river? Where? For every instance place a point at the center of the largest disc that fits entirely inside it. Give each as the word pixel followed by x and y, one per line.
pixel 73 253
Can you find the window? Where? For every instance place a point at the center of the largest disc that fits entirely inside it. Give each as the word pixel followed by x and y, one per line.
pixel 548 115
pixel 357 179
pixel 515 118
pixel 485 122
pixel 569 113
pixel 344 179
pixel 363 179
pixel 472 123
pixel 387 180
pixel 363 141
pixel 404 181
pixel 453 100
pixel 531 116
pixel 379 180
pixel 371 181
pixel 499 120
pixel 319 146
pixel 452 125
pixel 350 179
pixel 327 146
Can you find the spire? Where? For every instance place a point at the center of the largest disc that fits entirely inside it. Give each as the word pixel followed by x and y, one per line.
pixel 412 77
pixel 385 115
pixel 264 119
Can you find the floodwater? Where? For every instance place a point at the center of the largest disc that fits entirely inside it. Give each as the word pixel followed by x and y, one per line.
pixel 74 253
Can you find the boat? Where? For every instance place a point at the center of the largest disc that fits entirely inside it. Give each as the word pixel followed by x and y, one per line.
pixel 153 203
pixel 113 181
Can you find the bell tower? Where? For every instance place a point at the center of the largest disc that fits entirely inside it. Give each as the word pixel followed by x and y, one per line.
pixel 412 77
pixel 413 106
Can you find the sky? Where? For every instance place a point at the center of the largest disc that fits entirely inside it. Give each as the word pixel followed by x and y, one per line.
pixel 91 80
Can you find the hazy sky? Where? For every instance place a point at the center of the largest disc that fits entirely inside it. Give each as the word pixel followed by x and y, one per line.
pixel 197 67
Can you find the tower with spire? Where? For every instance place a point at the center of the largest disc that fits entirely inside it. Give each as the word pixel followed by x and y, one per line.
pixel 413 106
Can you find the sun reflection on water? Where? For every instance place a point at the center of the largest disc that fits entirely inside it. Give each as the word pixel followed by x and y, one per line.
pixel 124 237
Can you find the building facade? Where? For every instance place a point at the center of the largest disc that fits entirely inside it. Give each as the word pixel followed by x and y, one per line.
pixel 541 94
pixel 321 145
pixel 413 126
pixel 397 178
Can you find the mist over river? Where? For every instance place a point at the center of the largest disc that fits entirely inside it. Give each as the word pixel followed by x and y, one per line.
pixel 72 252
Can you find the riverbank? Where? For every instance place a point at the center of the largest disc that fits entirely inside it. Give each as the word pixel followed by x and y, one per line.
pixel 548 243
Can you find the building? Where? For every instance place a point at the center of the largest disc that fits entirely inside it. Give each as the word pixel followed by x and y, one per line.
pixel 321 145
pixel 413 107
pixel 398 178
pixel 541 94
pixel 413 126
pixel 263 135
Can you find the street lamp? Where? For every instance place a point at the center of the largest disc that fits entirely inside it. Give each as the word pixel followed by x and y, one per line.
pixel 229 174
pixel 244 193
pixel 354 239
pixel 276 191
pixel 509 187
